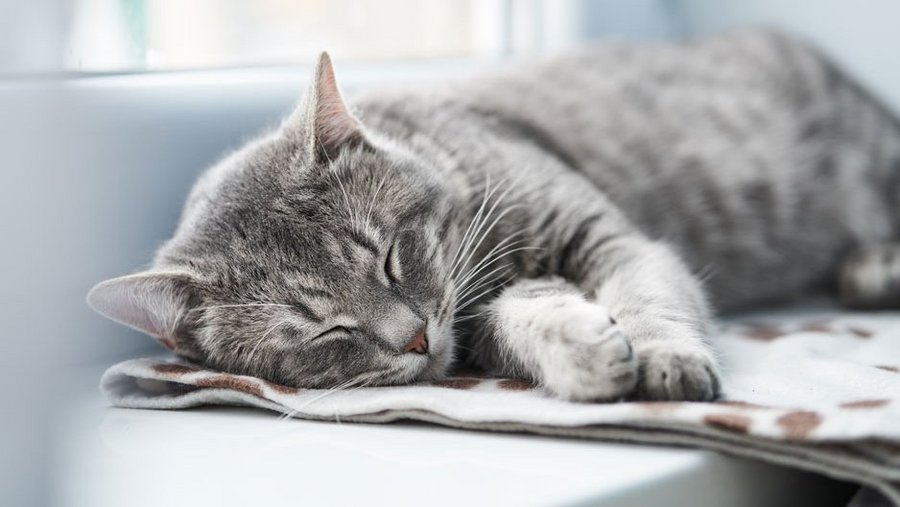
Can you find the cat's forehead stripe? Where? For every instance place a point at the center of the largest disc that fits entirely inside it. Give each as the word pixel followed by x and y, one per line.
pixel 363 240
pixel 307 312
pixel 313 292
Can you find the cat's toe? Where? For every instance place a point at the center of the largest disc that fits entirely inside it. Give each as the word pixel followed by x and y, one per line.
pixel 594 362
pixel 674 372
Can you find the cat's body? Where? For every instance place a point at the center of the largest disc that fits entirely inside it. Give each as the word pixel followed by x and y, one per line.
pixel 547 221
pixel 750 153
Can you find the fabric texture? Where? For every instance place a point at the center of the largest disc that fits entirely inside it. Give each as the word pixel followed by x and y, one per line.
pixel 814 389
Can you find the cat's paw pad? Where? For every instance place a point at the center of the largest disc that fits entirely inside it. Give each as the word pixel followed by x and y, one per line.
pixel 587 357
pixel 674 371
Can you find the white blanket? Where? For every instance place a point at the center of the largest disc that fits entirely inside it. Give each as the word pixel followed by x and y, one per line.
pixel 814 389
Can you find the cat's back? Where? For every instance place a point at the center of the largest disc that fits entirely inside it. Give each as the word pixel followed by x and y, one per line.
pixel 621 112
pixel 750 152
pixel 619 104
pixel 734 148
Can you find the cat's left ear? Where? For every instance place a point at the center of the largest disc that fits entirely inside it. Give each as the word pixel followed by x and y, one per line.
pixel 155 302
pixel 322 119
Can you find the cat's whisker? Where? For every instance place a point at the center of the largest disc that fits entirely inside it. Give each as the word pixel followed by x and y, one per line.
pixel 502 255
pixel 499 245
pixel 477 224
pixel 467 349
pixel 460 265
pixel 480 217
pixel 465 239
pixel 328 392
pixel 469 317
pixel 514 250
pixel 480 281
pixel 261 339
pixel 462 285
pixel 346 386
pixel 458 285
pixel 483 234
pixel 476 298
pixel 488 259
pixel 473 297
pixel 288 414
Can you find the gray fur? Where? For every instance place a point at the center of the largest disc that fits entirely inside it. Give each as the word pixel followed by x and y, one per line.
pixel 548 220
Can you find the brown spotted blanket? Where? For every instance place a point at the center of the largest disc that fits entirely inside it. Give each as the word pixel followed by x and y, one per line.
pixel 812 389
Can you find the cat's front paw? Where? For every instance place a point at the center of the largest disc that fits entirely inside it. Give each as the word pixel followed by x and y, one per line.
pixel 674 371
pixel 587 358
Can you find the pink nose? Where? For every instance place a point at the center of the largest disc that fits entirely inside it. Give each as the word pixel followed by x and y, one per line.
pixel 419 344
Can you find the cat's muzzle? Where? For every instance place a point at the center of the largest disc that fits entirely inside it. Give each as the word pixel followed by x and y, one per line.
pixel 419 343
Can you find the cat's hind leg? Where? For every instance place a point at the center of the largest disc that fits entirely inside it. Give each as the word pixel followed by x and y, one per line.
pixel 870 278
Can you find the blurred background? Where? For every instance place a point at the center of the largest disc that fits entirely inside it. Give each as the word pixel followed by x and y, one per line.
pixel 110 108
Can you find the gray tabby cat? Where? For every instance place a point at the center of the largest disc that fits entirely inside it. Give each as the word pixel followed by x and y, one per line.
pixel 547 221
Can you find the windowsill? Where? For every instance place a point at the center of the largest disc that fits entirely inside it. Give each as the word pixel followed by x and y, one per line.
pixel 349 74
pixel 234 456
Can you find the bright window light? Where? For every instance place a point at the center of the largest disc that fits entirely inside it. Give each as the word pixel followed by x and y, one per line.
pixel 137 35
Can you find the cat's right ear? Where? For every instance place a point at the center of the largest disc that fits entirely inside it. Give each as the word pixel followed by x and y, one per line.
pixel 154 302
pixel 322 121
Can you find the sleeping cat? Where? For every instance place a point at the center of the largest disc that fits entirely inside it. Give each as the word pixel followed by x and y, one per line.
pixel 573 222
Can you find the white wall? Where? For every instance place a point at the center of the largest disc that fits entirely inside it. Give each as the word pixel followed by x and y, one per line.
pixel 864 36
pixel 93 177
pixel 634 19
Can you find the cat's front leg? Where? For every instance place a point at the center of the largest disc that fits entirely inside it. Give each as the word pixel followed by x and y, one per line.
pixel 546 330
pixel 660 307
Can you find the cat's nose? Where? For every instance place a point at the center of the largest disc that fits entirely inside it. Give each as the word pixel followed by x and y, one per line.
pixel 419 343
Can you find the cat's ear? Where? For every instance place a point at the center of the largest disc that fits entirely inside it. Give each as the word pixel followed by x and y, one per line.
pixel 154 302
pixel 322 119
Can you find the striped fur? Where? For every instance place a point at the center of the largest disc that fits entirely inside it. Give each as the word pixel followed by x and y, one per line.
pixel 550 220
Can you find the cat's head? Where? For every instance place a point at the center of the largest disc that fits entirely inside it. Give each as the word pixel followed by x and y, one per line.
pixel 315 257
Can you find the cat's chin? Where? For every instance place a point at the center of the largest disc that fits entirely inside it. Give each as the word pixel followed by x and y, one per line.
pixel 439 361
pixel 433 366
pixel 434 371
pixel 429 368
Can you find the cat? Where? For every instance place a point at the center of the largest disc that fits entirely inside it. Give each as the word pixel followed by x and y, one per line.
pixel 575 221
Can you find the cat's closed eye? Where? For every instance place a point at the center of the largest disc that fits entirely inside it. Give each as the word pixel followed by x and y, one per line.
pixel 392 267
pixel 334 332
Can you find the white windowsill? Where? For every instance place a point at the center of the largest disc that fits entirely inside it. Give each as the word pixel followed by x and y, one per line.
pixel 233 456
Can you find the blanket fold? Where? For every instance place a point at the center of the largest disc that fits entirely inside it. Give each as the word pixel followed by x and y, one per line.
pixel 814 389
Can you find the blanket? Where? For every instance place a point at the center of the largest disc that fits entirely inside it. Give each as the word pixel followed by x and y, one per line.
pixel 815 389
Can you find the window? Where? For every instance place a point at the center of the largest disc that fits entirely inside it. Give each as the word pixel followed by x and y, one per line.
pixel 49 37
pixel 130 35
